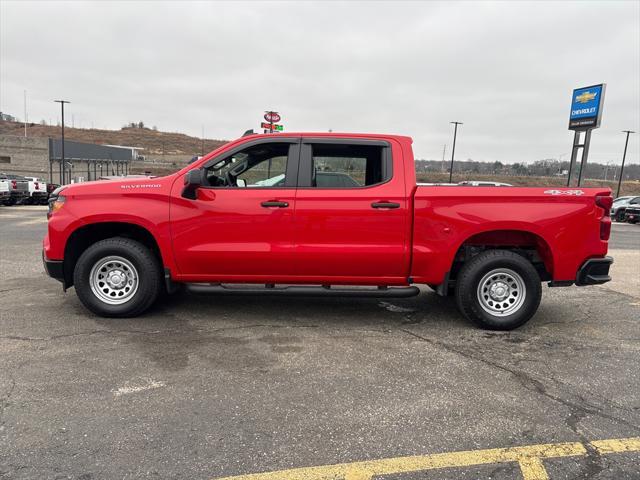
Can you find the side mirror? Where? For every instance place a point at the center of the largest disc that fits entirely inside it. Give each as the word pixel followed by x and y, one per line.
pixel 192 181
pixel 241 182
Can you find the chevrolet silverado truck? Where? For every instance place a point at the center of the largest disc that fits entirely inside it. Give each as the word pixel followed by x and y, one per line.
pixel 18 188
pixel 253 218
pixel 38 194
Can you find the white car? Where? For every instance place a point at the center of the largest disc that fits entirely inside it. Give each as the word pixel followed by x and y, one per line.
pixel 619 207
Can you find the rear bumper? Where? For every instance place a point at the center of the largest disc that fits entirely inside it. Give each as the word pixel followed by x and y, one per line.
pixel 54 268
pixel 594 271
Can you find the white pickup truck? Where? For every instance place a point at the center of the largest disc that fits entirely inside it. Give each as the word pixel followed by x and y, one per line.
pixel 38 194
pixel 17 186
pixel 5 190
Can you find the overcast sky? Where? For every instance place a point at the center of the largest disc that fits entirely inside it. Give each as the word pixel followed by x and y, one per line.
pixel 505 69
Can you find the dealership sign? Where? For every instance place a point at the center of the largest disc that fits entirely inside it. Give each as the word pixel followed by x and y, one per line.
pixel 272 126
pixel 586 107
pixel 272 117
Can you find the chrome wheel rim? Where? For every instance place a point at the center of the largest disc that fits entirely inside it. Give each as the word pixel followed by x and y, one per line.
pixel 501 292
pixel 114 280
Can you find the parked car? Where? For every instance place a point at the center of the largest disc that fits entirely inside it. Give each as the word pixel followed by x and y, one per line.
pixel 482 183
pixel 18 188
pixel 123 243
pixel 38 194
pixel 632 214
pixel 620 205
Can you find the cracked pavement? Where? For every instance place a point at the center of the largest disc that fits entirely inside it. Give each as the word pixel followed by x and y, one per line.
pixel 205 387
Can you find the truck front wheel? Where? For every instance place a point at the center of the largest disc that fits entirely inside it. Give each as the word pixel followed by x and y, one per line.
pixel 498 290
pixel 117 277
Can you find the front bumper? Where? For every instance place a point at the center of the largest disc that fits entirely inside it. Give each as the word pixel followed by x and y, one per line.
pixel 594 271
pixel 54 268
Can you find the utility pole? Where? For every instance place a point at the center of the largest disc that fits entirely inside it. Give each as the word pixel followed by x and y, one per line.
pixel 62 160
pixel 624 156
pixel 25 114
pixel 453 150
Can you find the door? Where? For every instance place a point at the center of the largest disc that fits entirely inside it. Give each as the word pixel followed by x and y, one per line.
pixel 240 226
pixel 352 215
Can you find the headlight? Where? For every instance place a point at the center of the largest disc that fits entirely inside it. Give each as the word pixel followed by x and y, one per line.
pixel 55 204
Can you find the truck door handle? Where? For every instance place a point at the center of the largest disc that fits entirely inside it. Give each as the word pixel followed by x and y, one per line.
pixel 274 203
pixel 385 205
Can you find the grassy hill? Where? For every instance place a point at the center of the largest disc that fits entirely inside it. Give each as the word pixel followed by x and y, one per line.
pixel 152 141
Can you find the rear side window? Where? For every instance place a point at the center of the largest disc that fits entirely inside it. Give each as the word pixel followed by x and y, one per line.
pixel 344 165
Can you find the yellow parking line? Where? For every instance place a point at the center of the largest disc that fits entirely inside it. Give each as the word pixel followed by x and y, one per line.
pixel 617 445
pixel 528 457
pixel 533 469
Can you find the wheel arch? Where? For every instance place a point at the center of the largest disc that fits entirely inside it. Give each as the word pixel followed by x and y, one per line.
pixel 86 235
pixel 527 243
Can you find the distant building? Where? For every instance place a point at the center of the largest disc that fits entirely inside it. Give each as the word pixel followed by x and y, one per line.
pixel 135 151
pixel 5 117
pixel 41 157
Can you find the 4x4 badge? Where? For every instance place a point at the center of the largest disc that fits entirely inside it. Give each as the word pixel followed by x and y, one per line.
pixel 564 192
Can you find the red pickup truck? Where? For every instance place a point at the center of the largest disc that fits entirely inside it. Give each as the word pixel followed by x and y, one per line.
pixel 323 214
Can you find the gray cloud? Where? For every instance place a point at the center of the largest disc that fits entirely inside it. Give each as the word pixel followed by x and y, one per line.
pixel 505 69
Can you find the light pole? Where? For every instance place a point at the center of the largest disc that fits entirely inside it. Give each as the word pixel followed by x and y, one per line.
pixel 62 167
pixel 624 155
pixel 453 149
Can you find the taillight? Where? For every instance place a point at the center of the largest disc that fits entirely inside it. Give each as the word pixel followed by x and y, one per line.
pixel 605 228
pixel 605 203
pixel 37 186
pixel 14 184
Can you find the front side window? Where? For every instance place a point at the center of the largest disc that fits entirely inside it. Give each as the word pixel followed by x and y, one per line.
pixel 347 166
pixel 262 165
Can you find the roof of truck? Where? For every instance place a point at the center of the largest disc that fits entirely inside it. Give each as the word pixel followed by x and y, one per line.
pixel 331 134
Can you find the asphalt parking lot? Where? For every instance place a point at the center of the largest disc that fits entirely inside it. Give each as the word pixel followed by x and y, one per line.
pixel 209 387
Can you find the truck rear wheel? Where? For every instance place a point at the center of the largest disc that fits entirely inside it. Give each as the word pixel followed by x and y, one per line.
pixel 498 290
pixel 117 277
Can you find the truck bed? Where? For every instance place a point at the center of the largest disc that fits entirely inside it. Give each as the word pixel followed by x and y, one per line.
pixel 557 221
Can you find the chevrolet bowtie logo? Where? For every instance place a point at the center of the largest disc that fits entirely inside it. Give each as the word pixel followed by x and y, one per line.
pixel 586 97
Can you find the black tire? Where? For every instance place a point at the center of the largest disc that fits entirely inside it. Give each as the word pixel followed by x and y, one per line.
pixel 476 271
pixel 147 266
pixel 619 216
